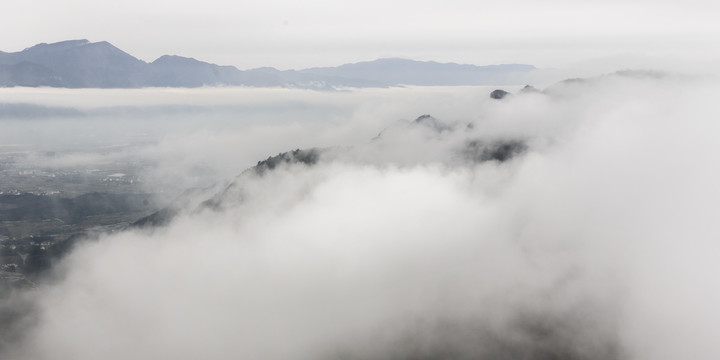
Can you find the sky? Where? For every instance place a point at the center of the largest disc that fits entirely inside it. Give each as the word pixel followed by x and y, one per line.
pixel 291 34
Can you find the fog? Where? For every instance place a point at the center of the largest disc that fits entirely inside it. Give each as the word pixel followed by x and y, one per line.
pixel 596 240
pixel 197 137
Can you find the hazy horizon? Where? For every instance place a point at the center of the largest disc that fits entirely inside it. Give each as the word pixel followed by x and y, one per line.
pixel 288 35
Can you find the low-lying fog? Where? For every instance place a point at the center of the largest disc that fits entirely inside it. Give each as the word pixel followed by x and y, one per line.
pixel 598 241
pixel 200 136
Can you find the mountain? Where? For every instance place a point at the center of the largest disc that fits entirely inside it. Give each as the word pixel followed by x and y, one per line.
pixel 28 74
pixel 178 71
pixel 75 64
pixel 471 150
pixel 410 72
pixel 85 64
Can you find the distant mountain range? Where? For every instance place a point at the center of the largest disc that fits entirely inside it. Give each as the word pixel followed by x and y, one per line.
pixel 85 64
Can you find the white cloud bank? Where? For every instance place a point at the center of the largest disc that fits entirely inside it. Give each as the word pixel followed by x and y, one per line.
pixel 599 242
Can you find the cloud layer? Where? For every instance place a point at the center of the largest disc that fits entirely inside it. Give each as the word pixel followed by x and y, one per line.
pixel 596 242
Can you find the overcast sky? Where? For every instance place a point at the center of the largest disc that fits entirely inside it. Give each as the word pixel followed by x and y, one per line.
pixel 297 34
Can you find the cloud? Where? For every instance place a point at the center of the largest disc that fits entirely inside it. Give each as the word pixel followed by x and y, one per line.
pixel 596 242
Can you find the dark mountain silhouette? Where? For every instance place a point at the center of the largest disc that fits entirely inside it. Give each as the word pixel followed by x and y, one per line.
pixel 499 94
pixel 85 64
pixel 472 151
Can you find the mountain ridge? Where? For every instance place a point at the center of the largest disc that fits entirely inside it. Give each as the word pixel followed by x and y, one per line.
pixel 84 64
